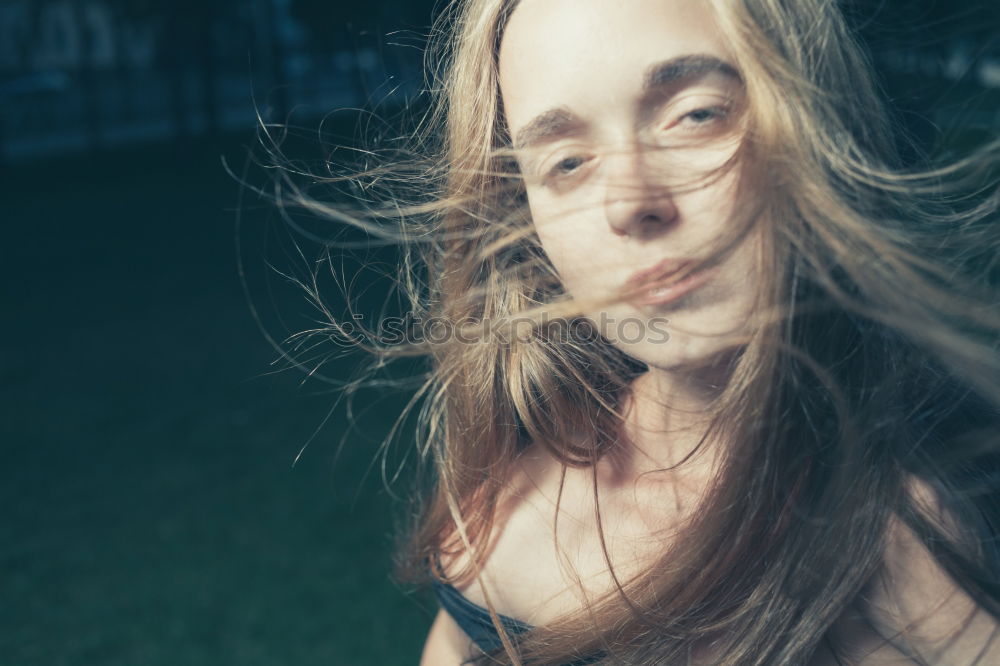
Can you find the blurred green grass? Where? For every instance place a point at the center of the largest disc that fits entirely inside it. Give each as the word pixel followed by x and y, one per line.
pixel 151 512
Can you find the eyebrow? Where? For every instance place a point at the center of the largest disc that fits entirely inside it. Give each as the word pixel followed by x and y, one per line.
pixel 684 68
pixel 560 121
pixel 547 126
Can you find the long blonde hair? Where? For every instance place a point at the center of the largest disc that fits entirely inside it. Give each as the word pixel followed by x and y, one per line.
pixel 876 359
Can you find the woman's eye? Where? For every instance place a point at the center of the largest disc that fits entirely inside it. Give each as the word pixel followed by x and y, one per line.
pixel 566 166
pixel 700 118
pixel 564 169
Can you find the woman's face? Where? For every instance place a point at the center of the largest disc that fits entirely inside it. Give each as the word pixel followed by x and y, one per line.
pixel 616 110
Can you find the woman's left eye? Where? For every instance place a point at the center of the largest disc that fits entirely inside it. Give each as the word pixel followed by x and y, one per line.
pixel 702 117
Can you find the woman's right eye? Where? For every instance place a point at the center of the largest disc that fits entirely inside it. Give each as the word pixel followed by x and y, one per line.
pixel 566 166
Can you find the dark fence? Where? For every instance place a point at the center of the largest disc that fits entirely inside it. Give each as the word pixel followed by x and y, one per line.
pixel 84 75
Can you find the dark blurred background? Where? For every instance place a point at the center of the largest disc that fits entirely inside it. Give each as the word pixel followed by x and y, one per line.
pixel 151 512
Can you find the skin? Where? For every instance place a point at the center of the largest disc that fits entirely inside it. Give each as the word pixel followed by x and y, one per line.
pixel 615 188
pixel 625 195
pixel 623 187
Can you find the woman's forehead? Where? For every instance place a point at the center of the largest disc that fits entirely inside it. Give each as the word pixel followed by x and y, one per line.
pixel 579 52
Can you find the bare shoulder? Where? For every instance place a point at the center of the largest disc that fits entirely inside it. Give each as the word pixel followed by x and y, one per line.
pixel 523 530
pixel 532 484
pixel 446 644
pixel 917 603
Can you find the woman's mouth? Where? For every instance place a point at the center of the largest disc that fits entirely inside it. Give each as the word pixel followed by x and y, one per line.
pixel 667 288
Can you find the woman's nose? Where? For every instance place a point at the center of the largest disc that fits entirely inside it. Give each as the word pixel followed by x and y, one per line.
pixel 636 200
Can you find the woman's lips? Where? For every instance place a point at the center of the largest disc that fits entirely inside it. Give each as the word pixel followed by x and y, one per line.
pixel 657 271
pixel 656 286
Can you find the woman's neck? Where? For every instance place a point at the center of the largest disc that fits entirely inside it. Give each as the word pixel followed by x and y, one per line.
pixel 667 413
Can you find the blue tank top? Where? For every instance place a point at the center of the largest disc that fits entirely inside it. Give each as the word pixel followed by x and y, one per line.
pixel 475 621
